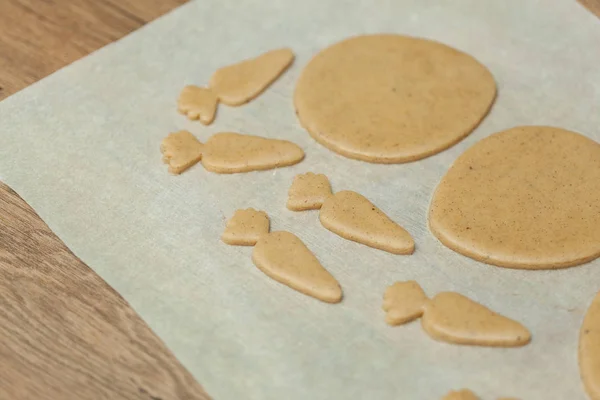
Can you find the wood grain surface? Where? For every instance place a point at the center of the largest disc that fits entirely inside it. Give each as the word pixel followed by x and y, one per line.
pixel 64 333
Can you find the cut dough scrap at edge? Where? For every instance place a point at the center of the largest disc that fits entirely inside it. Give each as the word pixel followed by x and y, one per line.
pixel 454 318
pixel 198 103
pixel 239 83
pixel 308 192
pixel 403 302
pixel 246 227
pixel 229 152
pixel 462 394
pixel 353 217
pixel 589 349
pixel 181 150
pixel 285 258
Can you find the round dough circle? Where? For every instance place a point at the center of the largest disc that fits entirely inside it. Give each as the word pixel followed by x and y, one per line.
pixel 528 198
pixel 392 98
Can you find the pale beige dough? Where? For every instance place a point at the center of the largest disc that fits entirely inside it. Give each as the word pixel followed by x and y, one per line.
pixel 246 227
pixel 392 98
pixel 239 83
pixel 462 394
pixel 198 103
pixel 528 197
pixel 285 258
pixel 353 217
pixel 228 152
pixel 589 350
pixel 308 192
pixel 180 151
pixel 452 317
pixel 403 302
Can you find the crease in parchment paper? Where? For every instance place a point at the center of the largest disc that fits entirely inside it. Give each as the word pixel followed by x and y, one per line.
pixel 82 148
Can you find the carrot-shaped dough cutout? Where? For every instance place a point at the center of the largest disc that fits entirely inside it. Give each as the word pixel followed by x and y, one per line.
pixel 282 256
pixel 228 153
pixel 452 317
pixel 239 83
pixel 353 217
pixel 348 214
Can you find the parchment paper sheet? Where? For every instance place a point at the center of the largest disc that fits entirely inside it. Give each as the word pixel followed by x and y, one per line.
pixel 82 147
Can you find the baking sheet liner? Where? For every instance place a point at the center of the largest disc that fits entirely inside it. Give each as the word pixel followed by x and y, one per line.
pixel 82 148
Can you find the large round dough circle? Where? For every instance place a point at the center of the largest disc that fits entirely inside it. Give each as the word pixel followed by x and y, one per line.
pixel 392 98
pixel 528 197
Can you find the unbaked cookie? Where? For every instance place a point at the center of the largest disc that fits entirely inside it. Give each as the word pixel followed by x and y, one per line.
pixel 308 192
pixel 180 151
pixel 198 103
pixel 228 152
pixel 285 258
pixel 348 214
pixel 246 227
pixel 528 197
pixel 353 217
pixel 392 98
pixel 452 317
pixel 239 83
pixel 589 350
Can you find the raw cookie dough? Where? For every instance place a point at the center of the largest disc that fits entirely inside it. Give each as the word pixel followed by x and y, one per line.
pixel 463 394
pixel 392 98
pixel 589 350
pixel 239 83
pixel 403 302
pixel 198 103
pixel 452 317
pixel 349 214
pixel 528 197
pixel 285 258
pixel 308 192
pixel 228 153
pixel 246 227
pixel 353 217
pixel 233 152
pixel 180 150
pixel 466 394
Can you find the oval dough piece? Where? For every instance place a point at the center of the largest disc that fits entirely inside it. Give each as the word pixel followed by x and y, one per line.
pixel 454 318
pixel 353 217
pixel 528 197
pixel 284 257
pixel 392 98
pixel 227 153
pixel 589 350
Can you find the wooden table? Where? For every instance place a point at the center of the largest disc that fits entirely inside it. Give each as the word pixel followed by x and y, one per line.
pixel 64 333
